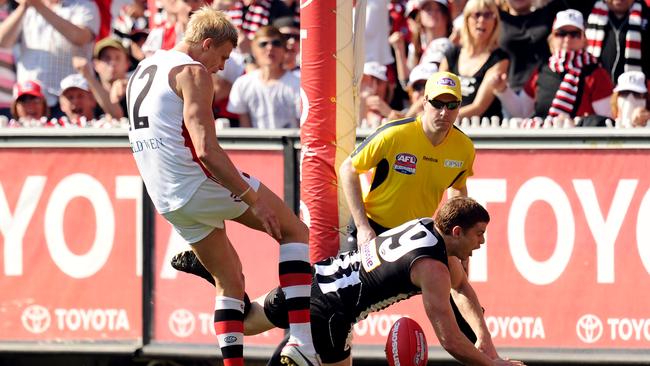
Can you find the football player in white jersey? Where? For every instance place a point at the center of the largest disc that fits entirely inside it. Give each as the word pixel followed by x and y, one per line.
pixel 195 186
pixel 408 260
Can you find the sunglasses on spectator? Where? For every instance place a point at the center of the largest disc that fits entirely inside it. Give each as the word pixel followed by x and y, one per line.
pixel 437 104
pixel 288 36
pixel 487 15
pixel 571 34
pixel 625 93
pixel 276 43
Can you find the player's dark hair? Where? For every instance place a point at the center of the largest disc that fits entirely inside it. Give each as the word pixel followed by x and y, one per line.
pixel 460 211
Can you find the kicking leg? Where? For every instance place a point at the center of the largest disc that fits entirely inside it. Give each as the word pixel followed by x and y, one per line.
pixel 256 313
pixel 220 259
pixel 295 277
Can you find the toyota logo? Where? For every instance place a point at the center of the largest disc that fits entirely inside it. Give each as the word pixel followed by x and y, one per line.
pixel 589 328
pixel 36 319
pixel 181 323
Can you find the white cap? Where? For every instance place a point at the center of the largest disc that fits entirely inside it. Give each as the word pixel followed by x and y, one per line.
pixel 416 5
pixel 435 51
pixel 569 17
pixel 375 69
pixel 74 81
pixel 422 72
pixel 631 81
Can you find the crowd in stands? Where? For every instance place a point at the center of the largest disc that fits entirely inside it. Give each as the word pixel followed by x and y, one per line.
pixel 537 62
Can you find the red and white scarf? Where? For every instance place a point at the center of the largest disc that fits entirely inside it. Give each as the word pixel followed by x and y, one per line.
pixel 256 16
pixel 596 24
pixel 569 63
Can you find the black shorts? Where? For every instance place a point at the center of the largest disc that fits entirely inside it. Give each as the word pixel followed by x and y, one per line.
pixel 331 328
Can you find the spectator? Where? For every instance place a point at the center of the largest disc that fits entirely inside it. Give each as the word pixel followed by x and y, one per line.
pixel 630 100
pixel 294 8
pixel 456 9
pixel 436 51
pixel 478 58
pixel 415 89
pixel 526 26
pixel 269 97
pixel 49 33
pixel 111 65
pixel 222 82
pixel 432 52
pixel 376 33
pixel 236 65
pixel 618 35
pixel 169 32
pixel 111 62
pixel 432 21
pixel 291 32
pixel 417 81
pixel 7 66
pixel 374 95
pixel 76 100
pixel 29 102
pixel 251 15
pixel 131 27
pixel 571 83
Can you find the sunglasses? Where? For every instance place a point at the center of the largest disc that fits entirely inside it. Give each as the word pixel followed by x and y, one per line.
pixel 625 93
pixel 276 43
pixel 288 36
pixel 439 104
pixel 571 34
pixel 487 15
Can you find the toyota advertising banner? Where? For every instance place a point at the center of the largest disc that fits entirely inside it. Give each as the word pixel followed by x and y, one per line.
pixel 566 265
pixel 70 262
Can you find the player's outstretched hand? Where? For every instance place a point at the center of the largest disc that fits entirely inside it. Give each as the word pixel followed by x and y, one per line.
pixel 267 217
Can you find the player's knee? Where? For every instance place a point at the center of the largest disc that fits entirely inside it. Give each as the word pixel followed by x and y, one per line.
pixel 296 232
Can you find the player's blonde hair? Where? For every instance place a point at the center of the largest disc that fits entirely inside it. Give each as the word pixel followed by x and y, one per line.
pixel 207 23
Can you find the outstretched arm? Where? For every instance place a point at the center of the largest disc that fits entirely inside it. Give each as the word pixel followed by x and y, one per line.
pixel 469 306
pixel 10 27
pixel 433 278
pixel 78 35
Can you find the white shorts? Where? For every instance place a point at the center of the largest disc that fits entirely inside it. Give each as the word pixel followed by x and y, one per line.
pixel 210 205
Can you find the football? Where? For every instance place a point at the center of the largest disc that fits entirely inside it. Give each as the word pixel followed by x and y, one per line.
pixel 406 344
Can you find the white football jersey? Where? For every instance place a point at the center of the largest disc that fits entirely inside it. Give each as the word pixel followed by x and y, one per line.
pixel 160 142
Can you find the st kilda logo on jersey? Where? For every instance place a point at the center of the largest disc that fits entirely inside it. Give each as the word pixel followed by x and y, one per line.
pixel 405 163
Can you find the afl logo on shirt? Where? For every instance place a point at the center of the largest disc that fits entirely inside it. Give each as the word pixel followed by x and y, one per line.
pixel 405 163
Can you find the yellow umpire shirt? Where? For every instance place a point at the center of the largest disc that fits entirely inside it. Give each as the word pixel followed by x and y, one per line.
pixel 410 174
